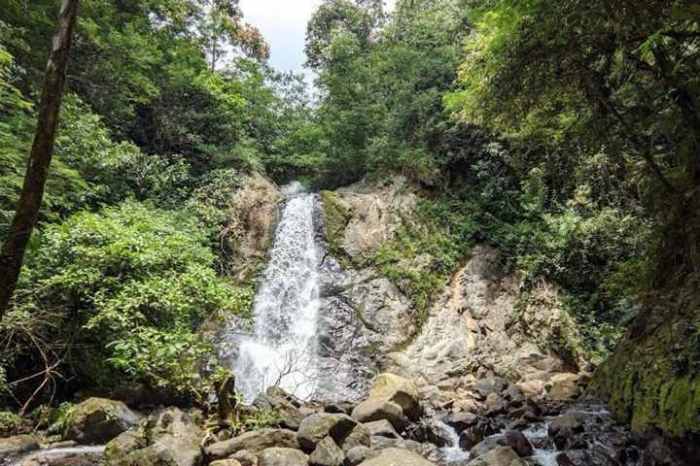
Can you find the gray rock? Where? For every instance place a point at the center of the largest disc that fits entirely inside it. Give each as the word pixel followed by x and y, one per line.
pixel 518 442
pixel 486 445
pixel 246 458
pixel 327 453
pixel 381 428
pixel 99 420
pixel 169 438
pixel 286 405
pixel 282 457
pixel 359 436
pixel 563 429
pixel 378 409
pixel 358 454
pixel 254 441
pixel 317 426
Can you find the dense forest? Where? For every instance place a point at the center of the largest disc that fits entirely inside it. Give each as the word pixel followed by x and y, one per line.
pixel 564 134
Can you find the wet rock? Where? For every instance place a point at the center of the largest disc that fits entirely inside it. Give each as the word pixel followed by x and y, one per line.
pixel 99 420
pixel 477 432
pixel 171 438
pixel 341 407
pixel 563 429
pixel 397 457
pixel 286 405
pixel 518 442
pixel 254 441
pixel 17 445
pixel 501 456
pixel 317 426
pixel 461 421
pixel 381 428
pixel 282 457
pixel 486 445
pixel 327 453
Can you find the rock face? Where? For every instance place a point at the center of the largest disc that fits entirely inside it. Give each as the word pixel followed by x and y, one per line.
pixel 99 420
pixel 481 322
pixel 169 438
pixel 254 215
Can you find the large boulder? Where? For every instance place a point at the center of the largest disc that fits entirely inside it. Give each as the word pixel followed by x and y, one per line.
pixel 99 420
pixel 282 457
pixel 397 457
pixel 285 405
pixel 327 453
pixel 502 456
pixel 254 441
pixel 376 410
pixel 359 437
pixel 316 427
pixel 564 386
pixel 398 390
pixel 170 437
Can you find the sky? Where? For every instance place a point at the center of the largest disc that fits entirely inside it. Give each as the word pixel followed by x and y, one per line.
pixel 283 24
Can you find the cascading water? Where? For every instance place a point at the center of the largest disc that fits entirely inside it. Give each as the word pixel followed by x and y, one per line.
pixel 282 349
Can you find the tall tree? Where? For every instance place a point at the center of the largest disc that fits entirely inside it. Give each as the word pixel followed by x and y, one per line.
pixel 12 254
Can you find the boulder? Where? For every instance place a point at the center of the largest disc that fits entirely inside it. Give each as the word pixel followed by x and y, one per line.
pixel 502 456
pixel 358 454
pixel 382 428
pixel 485 446
pixel 398 390
pixel 518 442
pixel 225 463
pixel 245 457
pixel 359 436
pixel 397 457
pixel 170 437
pixel 564 387
pixel 378 409
pixel 282 457
pixel 316 427
pixel 327 453
pixel 17 445
pixel 254 441
pixel 284 404
pixel 563 429
pixel 99 420
pixel 461 421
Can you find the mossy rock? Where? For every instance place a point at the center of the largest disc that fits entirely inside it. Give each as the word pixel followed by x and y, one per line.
pixel 653 378
pixel 336 215
pixel 98 420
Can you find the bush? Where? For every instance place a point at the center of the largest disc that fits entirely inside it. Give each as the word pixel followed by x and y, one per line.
pixel 129 287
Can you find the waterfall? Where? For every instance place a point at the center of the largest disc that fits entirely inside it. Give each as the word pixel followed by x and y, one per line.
pixel 282 349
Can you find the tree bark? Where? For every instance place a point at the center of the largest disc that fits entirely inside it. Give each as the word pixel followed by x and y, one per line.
pixel 27 213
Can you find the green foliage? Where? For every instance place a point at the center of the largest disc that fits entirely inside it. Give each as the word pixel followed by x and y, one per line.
pixel 10 423
pixel 135 283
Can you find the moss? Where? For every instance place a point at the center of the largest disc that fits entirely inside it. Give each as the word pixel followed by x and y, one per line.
pixel 10 423
pixel 652 380
pixel 336 215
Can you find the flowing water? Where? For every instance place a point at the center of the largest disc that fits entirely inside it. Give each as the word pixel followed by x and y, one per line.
pixel 452 454
pixel 282 349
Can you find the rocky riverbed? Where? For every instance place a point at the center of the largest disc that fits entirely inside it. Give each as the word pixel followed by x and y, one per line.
pixel 391 426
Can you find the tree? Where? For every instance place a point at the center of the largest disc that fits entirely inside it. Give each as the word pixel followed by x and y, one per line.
pixel 12 254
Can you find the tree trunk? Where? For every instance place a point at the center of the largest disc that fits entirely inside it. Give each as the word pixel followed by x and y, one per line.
pixel 12 254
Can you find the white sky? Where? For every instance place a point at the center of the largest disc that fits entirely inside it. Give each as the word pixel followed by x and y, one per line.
pixel 283 24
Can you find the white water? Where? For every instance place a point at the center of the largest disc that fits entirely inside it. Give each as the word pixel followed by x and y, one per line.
pixel 452 453
pixel 282 349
